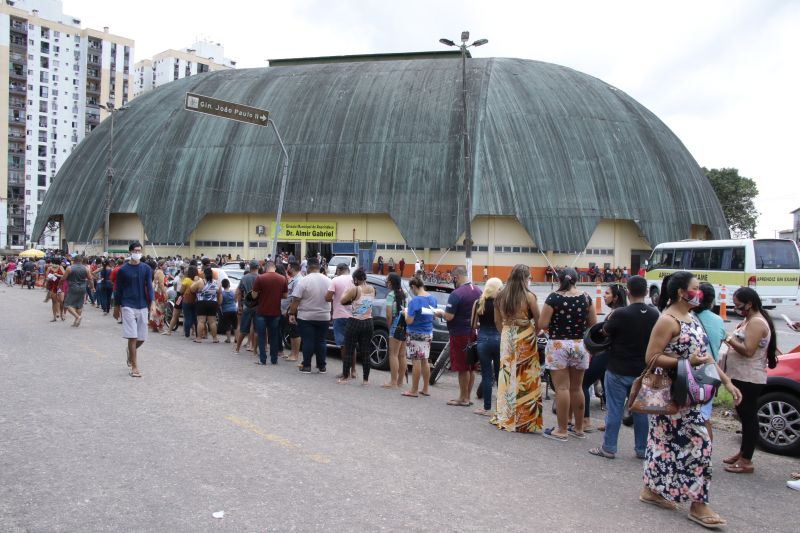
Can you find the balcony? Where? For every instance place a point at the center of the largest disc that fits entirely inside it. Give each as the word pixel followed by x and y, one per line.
pixel 16 119
pixel 19 27
pixel 18 88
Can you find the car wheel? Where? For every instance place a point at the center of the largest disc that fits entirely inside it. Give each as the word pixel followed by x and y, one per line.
pixel 441 363
pixel 379 358
pixel 779 423
pixel 654 296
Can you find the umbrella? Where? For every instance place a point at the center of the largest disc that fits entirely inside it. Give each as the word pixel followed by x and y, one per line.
pixel 32 253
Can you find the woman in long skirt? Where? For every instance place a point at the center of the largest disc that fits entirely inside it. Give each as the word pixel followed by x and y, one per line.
pixel 677 465
pixel 519 396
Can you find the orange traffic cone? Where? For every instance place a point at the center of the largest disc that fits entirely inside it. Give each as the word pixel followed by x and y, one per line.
pixel 598 302
pixel 723 308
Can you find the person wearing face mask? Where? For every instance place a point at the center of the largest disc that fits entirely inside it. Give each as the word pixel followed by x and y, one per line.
pixel 133 295
pixel 677 463
pixel 745 356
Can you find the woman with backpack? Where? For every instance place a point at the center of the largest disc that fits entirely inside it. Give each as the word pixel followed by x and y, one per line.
pixel 746 354
pixel 567 314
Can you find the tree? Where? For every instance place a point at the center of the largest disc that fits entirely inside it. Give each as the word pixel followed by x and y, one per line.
pixel 736 194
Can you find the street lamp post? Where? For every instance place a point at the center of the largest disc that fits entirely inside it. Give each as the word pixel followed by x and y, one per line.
pixel 109 174
pixel 465 137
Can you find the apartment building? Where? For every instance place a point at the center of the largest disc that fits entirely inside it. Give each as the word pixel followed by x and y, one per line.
pixel 171 65
pixel 60 79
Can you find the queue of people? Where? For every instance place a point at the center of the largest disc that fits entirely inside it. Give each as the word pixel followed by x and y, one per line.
pixel 506 324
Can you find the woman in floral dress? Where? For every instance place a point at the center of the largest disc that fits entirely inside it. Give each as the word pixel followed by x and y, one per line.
pixel 677 466
pixel 519 396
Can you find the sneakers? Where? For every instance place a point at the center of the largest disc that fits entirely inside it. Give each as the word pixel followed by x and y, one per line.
pixel 305 369
pixel 794 484
pixel 323 370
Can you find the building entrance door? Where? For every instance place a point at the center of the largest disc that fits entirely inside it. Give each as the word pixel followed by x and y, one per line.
pixel 638 258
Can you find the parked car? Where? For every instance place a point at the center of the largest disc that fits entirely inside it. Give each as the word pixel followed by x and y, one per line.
pixel 349 260
pixel 779 407
pixel 379 357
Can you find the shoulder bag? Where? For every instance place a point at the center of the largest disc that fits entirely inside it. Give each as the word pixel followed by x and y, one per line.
pixel 472 348
pixel 651 393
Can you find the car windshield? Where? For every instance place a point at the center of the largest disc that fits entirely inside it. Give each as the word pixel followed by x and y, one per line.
pixel 339 261
pixel 775 254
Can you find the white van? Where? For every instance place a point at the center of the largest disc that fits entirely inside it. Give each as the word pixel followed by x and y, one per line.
pixel 349 260
pixel 770 266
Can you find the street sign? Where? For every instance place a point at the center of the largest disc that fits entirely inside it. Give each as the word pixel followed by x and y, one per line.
pixel 229 110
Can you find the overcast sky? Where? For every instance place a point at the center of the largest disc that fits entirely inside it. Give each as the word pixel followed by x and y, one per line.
pixel 724 75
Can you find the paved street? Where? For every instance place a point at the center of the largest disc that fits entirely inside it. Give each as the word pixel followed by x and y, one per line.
pixel 84 447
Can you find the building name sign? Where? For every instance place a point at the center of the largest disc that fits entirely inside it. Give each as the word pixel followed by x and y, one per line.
pixel 220 108
pixel 313 231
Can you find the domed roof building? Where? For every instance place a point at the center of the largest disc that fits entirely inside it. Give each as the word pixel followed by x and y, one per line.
pixel 554 151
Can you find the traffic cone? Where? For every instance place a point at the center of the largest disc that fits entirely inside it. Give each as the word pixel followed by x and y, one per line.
pixel 723 308
pixel 598 302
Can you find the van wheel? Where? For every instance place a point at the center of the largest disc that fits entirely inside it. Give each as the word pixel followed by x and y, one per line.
pixel 654 295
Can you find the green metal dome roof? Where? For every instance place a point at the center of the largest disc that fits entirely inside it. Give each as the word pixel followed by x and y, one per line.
pixel 555 148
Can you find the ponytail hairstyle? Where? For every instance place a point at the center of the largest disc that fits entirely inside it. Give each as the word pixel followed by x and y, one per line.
pixel 396 285
pixel 670 286
pixel 746 295
pixel 709 294
pixel 490 290
pixel 567 279
pixel 619 295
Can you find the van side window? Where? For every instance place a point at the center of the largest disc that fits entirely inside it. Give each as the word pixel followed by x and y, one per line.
pixel 700 259
pixel 737 259
pixel 716 260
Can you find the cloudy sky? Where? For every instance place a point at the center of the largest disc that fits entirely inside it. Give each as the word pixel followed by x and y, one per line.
pixel 724 75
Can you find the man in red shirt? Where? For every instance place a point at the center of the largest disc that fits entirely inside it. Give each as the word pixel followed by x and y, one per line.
pixel 402 265
pixel 270 287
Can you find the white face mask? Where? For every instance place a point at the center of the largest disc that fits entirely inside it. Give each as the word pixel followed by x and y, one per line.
pixel 136 257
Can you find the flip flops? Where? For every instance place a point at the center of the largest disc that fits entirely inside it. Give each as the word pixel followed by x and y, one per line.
pixel 600 452
pixel 737 468
pixel 549 434
pixel 659 502
pixel 711 521
pixel 409 395
pixel 459 403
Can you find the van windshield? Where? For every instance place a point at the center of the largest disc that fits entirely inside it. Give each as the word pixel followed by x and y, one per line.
pixel 776 254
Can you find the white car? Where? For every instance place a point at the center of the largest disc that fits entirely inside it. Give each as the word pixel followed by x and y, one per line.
pixel 336 260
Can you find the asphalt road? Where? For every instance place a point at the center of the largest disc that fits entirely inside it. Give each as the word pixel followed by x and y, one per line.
pixel 84 447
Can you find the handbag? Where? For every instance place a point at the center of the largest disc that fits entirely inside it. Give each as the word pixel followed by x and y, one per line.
pixel 651 393
pixel 472 353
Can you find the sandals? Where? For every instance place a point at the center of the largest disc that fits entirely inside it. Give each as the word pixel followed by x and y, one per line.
pixel 549 434
pixel 408 394
pixel 483 412
pixel 135 374
pixel 600 452
pixel 428 394
pixel 710 521
pixel 737 468
pixel 733 459
pixel 663 503
pixel 459 403
pixel 578 435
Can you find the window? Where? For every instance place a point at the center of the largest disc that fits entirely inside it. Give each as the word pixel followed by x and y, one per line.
pixel 717 258
pixel 774 255
pixel 42 106
pixel 44 62
pixel 737 259
pixel 42 166
pixel 700 259
pixel 42 121
pixel 42 151
pixel 42 180
pixel 43 92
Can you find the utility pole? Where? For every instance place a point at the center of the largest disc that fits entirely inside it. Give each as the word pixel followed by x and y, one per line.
pixel 466 149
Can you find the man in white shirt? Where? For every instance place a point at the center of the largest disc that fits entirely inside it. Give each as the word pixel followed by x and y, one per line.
pixel 312 313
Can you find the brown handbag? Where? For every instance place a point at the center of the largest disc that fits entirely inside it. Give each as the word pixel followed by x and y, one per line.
pixel 651 393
